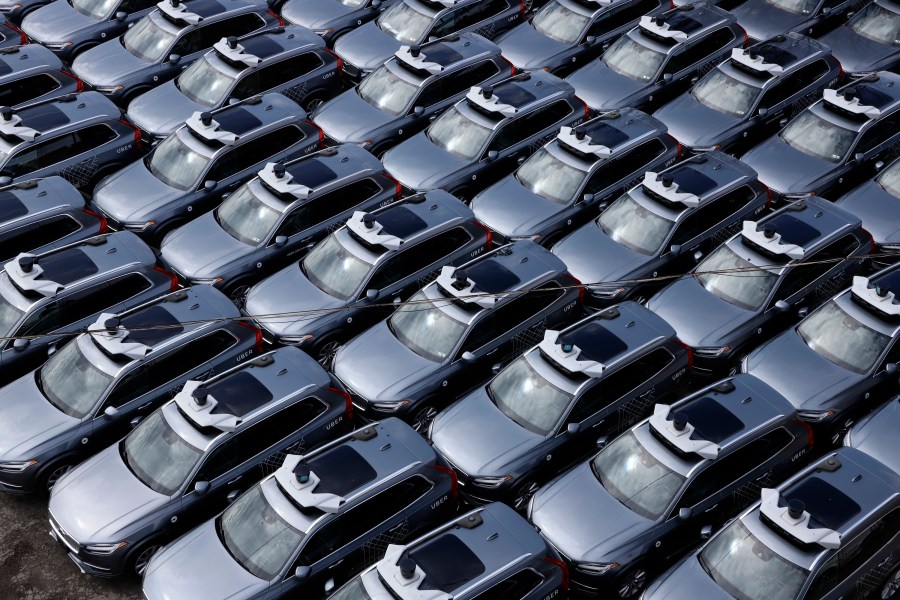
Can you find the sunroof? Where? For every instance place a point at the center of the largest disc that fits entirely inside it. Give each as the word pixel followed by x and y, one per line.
pixel 261 46
pixel 341 471
pixel 597 343
pixel 205 8
pixel 775 55
pixel 11 207
pixel 151 325
pixel 238 121
pixel 606 135
pixel 692 181
pixel 43 117
pixel 889 280
pixel 711 421
pixel 312 173
pixel 238 394
pixel 491 277
pixel 447 563
pixel 442 54
pixel 869 95
pixel 514 95
pixel 828 507
pixel 682 22
pixel 67 266
pixel 794 231
pixel 401 222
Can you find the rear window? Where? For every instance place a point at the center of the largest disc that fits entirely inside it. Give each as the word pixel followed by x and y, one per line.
pixel 11 207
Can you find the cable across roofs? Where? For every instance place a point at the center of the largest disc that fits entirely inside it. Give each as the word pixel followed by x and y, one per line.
pixel 107 333
pixel 770 240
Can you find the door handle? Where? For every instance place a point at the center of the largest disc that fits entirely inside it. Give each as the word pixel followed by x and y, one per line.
pixel 492 351
pixel 335 565
pixel 396 528
pixel 711 508
pixel 235 480
pixel 145 406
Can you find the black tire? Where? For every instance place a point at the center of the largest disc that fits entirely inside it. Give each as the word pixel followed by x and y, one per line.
pixel 140 558
pixel 52 473
pixel 632 582
pixel 839 431
pixel 522 494
pixel 423 415
pixel 325 351
pixel 312 102
pixel 237 292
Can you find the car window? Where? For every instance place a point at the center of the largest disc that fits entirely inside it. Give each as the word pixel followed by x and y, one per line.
pixel 469 77
pixel 799 277
pixel 521 129
pixel 27 88
pixel 445 25
pixel 206 37
pixel 39 234
pixel 221 460
pixel 254 152
pixel 328 206
pixel 711 215
pixel 701 50
pixel 132 6
pixel 793 83
pixel 276 427
pixel 44 319
pixel 181 361
pixel 129 387
pixel 426 253
pixel 476 12
pixel 41 155
pixel 94 300
pixel 878 133
pixel 511 315
pixel 516 586
pixel 247 86
pixel 622 17
pixel 280 73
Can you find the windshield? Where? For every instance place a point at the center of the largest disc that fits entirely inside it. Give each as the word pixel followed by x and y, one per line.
pixel 798 7
pixel 158 456
pixel 9 316
pixel 203 83
pixel 747 569
pixel 811 134
pixel 843 340
pixel 147 40
pixel 725 94
pixel 889 180
pixel 627 57
pixel 245 217
pixel 527 398
pixel 176 164
pixel 354 590
pixel 96 9
pixel 71 382
pixel 549 177
pixel 334 270
pixel 353 3
pixel 634 226
pixel 735 280
pixel 404 23
pixel 387 92
pixel 878 24
pixel 457 134
pixel 558 22
pixel 635 478
pixel 425 329
pixel 256 535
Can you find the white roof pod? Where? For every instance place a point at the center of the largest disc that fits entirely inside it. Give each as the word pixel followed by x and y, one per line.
pixel 770 239
pixel 448 3
pixel 203 124
pixel 178 10
pixel 371 231
pixel 454 281
pixel 11 124
pixel 25 272
pixel 851 104
pixel 794 519
pixel 488 100
pixel 565 355
pixel 744 57
pixel 276 177
pixel 302 486
pixel 880 298
pixel 404 576
pixel 196 402
pixel 581 142
pixel 665 186
pixel 678 433
pixel 416 58
pixel 230 49
pixel 113 338
pixel 661 28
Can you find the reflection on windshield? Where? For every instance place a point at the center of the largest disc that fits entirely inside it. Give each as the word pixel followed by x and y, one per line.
pixel 725 94
pixel 147 40
pixel 457 134
pixel 889 179
pixel 558 22
pixel 634 226
pixel 385 91
pixel 631 59
pixel 96 9
pixel 9 316
pixel 549 177
pixel 245 217
pixel 878 24
pixel 335 270
pixel 798 7
pixel 735 280
pixel 818 137
pixel 158 456
pixel 203 83
pixel 71 382
pixel 404 23
pixel 174 163
pixel 527 398
pixel 841 339
pixel 425 329
pixel 353 590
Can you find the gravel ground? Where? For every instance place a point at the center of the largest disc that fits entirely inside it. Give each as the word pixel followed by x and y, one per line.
pixel 34 567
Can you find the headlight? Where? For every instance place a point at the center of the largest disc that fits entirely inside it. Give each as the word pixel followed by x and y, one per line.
pixel 296 340
pixel 139 225
pixel 109 89
pixel 491 482
pixel 799 195
pixel 210 281
pixel 390 406
pixel 890 247
pixel 105 549
pixel 608 292
pixel 322 31
pixel 366 144
pixel 705 148
pixel 847 440
pixel 533 238
pixel 815 416
pixel 56 45
pixel 596 568
pixel 9 7
pixel 711 351
pixel 17 466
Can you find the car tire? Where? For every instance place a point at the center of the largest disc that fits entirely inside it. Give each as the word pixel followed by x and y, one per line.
pixel 312 102
pixel 325 351
pixel 522 494
pixel 423 416
pixel 632 582
pixel 140 558
pixel 237 292
pixel 53 472
pixel 840 431
pixel 891 587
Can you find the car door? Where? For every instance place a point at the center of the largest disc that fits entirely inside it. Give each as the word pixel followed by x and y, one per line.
pixel 789 96
pixel 692 62
pixel 881 141
pixel 295 77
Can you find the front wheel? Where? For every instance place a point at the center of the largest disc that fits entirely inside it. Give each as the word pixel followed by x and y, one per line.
pixel 523 495
pixel 326 352
pixel 237 293
pixel 423 417
pixel 632 583
pixel 891 585
pixel 142 557
pixel 54 474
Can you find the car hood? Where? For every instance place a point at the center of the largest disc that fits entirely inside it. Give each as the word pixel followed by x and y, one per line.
pixel 858 53
pixel 108 64
pixel 57 22
pixel 314 14
pixel 785 169
pixel 808 380
pixel 877 435
pixel 27 419
pixel 582 519
pixel 349 119
pixel 202 249
pixel 479 439
pixel 366 47
pixel 377 366
pixel 762 21
pixel 100 498
pixel 687 581
pixel 288 291
pixel 871 203
pixel 514 210
pixel 198 566
pixel 593 256
pixel 602 88
pixel 163 109
pixel 529 49
pixel 694 124
pixel 419 164
pixel 681 303
pixel 116 196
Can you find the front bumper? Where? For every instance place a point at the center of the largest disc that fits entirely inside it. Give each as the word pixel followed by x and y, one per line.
pixel 23 482
pixel 98 566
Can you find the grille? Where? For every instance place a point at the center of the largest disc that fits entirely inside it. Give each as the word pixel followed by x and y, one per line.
pixel 64 537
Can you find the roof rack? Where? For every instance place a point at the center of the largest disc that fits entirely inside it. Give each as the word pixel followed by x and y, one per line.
pixel 230 49
pixel 113 338
pixel 300 483
pixel 566 355
pixel 486 99
pixel 25 272
pixel 202 124
pixel 664 185
pixel 413 56
pixel 769 240
pixel 755 62
pixel 679 433
pixel 660 28
pixel 404 576
pixel 11 124
pixel 277 178
pixel 367 228
pixel 848 101
pixel 581 142
pixel 875 295
pixel 178 11
pixel 196 403
pixel 454 281
pixel 794 520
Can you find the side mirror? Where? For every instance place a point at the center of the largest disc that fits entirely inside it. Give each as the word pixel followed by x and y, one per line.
pixel 20 344
pixel 111 411
pixel 859 157
pixel 174 59
pixel 587 198
pixel 136 421
pixel 879 165
pixel 890 368
pixel 329 587
pixel 826 11
pixel 803 312
pixel 590 40
pixel 763 111
pixel 418 110
pixel 372 295
pixel 667 77
pixel 201 487
pixel 496 368
pixel 121 16
pixel 685 513
pixel 376 3
pixel 209 185
pixel 492 155
pixel 674 248
pixel 602 441
pixel 232 496
pixel 280 240
pixel 706 532
pixel 302 572
pixel 468 357
pixel 782 306
pixel 572 428
pixel 5 180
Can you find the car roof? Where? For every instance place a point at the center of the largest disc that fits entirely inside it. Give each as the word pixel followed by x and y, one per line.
pixel 318 172
pixel 609 134
pixel 876 297
pixel 444 55
pixel 256 50
pixel 234 124
pixel 62 113
pixel 19 61
pixel 439 6
pixel 681 24
pixel 185 15
pixel 778 57
pixel 27 199
pixel 516 95
pixel 862 101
